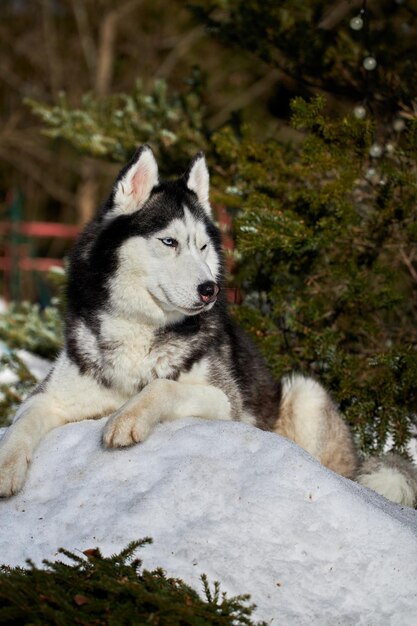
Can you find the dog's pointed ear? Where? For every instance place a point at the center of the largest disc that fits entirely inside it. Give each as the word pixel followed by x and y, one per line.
pixel 197 179
pixel 135 182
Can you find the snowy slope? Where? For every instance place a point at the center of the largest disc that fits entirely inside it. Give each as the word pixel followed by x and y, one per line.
pixel 246 507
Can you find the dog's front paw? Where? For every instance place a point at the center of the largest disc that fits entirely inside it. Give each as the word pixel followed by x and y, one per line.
pixel 124 429
pixel 14 463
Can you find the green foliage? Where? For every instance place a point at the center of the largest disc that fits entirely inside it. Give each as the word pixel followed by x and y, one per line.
pixel 289 27
pixel 313 44
pixel 113 126
pixel 24 326
pixel 17 382
pixel 111 591
pixel 326 264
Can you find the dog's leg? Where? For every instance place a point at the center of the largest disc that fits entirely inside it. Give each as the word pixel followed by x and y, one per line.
pixel 34 419
pixel 163 401
pixel 68 397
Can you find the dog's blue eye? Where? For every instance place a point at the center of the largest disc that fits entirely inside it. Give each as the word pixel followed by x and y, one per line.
pixel 169 241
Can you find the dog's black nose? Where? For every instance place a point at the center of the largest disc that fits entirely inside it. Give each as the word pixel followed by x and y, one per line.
pixel 208 291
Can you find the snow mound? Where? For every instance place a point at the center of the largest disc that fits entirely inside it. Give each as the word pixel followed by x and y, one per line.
pixel 246 507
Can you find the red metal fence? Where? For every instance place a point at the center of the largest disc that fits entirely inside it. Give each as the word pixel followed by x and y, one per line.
pixel 16 249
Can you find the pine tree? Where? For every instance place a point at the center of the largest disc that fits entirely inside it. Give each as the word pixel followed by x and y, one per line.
pixel 322 263
pixel 93 589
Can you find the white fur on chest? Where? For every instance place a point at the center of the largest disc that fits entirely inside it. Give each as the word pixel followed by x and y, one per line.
pixel 129 362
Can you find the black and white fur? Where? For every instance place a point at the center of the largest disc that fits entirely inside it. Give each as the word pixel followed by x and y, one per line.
pixel 148 338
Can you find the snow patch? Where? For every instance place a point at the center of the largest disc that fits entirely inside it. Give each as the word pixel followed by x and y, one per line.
pixel 38 366
pixel 246 507
pixel 8 377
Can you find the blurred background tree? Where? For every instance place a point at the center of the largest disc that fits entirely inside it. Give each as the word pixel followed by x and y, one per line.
pixel 307 113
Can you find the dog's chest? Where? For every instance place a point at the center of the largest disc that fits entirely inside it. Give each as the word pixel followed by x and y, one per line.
pixel 132 359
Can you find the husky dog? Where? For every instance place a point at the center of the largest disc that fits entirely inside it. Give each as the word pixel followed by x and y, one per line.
pixel 148 338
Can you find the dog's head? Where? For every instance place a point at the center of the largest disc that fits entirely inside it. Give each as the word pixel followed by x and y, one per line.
pixel 164 248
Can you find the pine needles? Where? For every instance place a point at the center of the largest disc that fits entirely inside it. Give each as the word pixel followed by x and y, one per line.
pixel 111 591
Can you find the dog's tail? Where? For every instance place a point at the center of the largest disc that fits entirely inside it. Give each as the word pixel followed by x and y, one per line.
pixel 391 476
pixel 308 416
